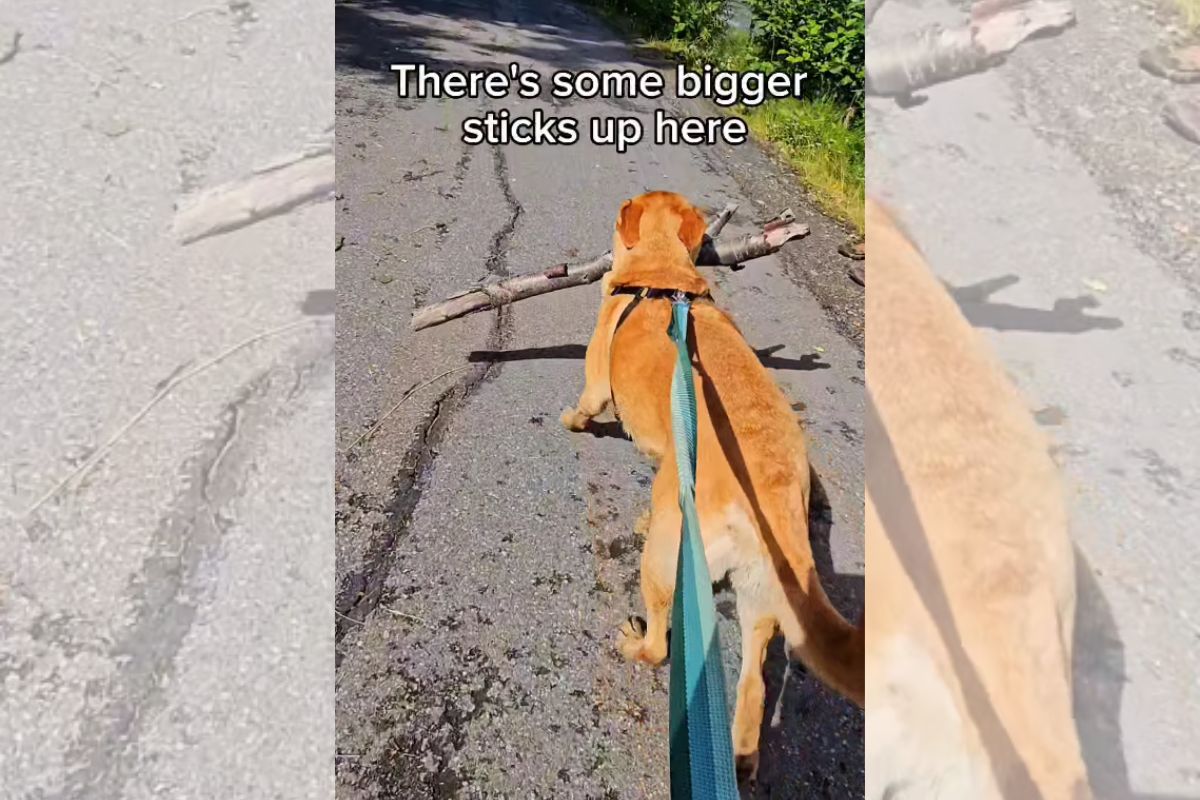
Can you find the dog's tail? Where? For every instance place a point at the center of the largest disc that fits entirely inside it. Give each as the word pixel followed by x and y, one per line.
pixel 819 636
pixel 828 644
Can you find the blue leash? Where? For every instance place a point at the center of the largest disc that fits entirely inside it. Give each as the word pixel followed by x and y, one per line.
pixel 701 745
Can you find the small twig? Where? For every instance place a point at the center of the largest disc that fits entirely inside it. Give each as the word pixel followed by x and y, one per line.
pixel 199 11
pixel 348 619
pixel 400 402
pixel 158 397
pixel 402 614
pixel 115 238
pixel 96 77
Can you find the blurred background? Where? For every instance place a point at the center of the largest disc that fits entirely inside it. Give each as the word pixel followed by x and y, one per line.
pixel 1056 199
pixel 166 552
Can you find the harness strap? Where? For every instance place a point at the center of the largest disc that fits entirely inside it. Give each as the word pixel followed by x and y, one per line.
pixel 637 298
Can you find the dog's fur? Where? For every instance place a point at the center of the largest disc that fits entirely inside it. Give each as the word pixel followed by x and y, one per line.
pixel 752 481
pixel 970 572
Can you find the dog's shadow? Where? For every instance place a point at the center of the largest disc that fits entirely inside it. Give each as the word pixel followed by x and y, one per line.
pixel 1099 681
pixel 1098 678
pixel 609 429
pixel 612 429
pixel 766 356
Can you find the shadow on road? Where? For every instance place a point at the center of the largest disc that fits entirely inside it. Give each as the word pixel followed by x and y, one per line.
pixel 766 355
pixel 374 34
pixel 805 363
pixel 607 430
pixel 794 711
pixel 1099 677
pixel 1065 316
pixel 1099 681
pixel 565 351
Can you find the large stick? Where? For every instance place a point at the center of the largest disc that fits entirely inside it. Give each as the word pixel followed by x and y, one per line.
pixel 718 222
pixel 291 181
pixel 935 54
pixel 774 235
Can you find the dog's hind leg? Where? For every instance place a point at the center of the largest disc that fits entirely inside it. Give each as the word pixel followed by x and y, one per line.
pixel 659 556
pixel 758 628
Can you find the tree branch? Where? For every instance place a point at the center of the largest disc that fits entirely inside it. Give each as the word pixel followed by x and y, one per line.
pixel 730 254
pixel 936 55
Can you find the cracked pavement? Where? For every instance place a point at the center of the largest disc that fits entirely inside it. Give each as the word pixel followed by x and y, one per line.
pixel 164 622
pixel 485 556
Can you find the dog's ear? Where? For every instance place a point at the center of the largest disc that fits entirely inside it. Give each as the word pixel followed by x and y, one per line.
pixel 691 229
pixel 629 222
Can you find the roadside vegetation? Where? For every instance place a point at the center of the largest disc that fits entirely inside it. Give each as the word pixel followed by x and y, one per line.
pixel 1190 11
pixel 820 135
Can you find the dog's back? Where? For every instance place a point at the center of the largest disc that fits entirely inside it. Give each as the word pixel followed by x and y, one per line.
pixel 970 574
pixel 753 478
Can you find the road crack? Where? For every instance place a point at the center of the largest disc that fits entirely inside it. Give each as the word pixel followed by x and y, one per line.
pixel 360 591
pixel 170 590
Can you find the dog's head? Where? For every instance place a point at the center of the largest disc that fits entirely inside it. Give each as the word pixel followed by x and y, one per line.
pixel 655 244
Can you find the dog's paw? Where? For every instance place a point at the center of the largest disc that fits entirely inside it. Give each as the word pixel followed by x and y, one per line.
pixel 631 637
pixel 573 420
pixel 642 526
pixel 746 765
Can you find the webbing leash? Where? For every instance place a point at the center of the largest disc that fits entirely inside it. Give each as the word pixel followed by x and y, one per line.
pixel 701 745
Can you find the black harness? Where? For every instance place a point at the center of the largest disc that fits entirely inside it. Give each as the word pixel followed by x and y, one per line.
pixel 647 293
pixel 639 293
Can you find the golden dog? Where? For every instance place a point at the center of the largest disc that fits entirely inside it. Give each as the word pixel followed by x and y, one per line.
pixel 970 572
pixel 752 477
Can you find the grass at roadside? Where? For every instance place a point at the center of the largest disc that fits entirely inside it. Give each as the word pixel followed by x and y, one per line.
pixel 1190 10
pixel 823 144
pixel 827 154
pixel 826 150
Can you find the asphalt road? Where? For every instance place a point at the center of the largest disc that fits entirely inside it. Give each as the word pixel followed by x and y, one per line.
pixel 485 556
pixel 164 619
pixel 1062 213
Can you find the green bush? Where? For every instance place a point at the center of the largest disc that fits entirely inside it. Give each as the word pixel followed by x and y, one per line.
pixel 696 24
pixel 700 23
pixel 651 17
pixel 821 135
pixel 825 38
